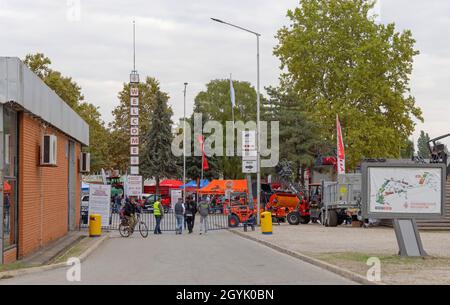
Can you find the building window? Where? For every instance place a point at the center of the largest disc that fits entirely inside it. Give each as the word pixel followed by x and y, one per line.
pixel 10 210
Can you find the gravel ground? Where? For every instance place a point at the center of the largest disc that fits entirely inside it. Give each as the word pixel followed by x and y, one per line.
pixel 350 247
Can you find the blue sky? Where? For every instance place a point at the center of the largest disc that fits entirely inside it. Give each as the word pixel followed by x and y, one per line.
pixel 177 43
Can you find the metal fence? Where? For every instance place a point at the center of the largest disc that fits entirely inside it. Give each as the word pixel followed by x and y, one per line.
pixel 216 221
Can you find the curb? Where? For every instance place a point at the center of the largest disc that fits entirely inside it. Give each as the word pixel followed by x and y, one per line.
pixel 313 261
pixel 26 271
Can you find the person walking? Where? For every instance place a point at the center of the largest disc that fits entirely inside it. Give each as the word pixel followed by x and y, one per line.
pixel 158 211
pixel 189 215
pixel 194 209
pixel 203 209
pixel 179 215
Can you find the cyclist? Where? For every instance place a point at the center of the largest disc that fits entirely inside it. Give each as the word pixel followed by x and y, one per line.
pixel 130 209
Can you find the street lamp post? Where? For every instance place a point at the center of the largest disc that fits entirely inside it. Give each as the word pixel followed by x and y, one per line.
pixel 184 145
pixel 258 101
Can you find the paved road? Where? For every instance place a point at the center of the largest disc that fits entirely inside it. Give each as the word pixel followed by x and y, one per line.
pixel 217 258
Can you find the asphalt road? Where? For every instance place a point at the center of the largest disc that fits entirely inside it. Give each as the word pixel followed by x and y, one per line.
pixel 217 258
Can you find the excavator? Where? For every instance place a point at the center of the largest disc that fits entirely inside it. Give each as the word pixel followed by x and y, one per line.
pixel 438 151
pixel 290 205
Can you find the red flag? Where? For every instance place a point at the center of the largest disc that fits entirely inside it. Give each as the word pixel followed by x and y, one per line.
pixel 205 165
pixel 340 148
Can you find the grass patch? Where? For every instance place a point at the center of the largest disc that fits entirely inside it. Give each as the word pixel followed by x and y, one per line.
pixel 384 258
pixel 395 269
pixel 13 266
pixel 75 251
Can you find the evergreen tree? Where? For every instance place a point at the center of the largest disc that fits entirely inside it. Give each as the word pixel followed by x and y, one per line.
pixel 157 159
pixel 422 145
pixel 299 137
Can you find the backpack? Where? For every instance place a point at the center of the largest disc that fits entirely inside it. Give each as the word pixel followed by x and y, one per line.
pixel 204 209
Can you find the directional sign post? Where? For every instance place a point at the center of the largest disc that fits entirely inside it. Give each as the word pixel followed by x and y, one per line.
pixel 249 155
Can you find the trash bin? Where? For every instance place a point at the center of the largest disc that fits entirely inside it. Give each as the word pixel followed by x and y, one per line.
pixel 95 225
pixel 266 223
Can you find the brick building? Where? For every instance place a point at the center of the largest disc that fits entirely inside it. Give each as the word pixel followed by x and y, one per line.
pixel 40 146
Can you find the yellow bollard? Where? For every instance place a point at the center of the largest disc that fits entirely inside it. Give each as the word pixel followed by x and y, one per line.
pixel 266 223
pixel 95 225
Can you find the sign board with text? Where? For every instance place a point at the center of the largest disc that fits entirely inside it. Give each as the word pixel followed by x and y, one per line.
pixel 174 196
pixel 100 201
pixel 403 190
pixel 134 186
pixel 248 140
pixel 249 167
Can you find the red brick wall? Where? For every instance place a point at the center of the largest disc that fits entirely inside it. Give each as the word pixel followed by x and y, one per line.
pixel 10 256
pixel 43 191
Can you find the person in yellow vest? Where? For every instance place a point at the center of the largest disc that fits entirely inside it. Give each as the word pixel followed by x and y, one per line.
pixel 158 211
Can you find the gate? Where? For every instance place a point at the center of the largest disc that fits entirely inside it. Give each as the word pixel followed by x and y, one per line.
pixel 217 220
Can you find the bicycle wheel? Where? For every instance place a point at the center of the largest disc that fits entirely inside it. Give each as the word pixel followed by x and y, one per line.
pixel 143 229
pixel 124 230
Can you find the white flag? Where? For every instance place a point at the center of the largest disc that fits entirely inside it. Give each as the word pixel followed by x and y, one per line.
pixel 232 94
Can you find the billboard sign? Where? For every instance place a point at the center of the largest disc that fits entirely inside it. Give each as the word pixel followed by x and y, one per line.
pixel 100 201
pixel 403 190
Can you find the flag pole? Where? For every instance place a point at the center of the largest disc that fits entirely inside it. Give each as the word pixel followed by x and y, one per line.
pixel 232 107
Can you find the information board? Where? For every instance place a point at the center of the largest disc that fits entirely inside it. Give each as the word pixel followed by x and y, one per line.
pixel 404 190
pixel 100 201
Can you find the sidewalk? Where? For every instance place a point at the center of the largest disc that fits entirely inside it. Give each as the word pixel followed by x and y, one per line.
pixel 350 248
pixel 54 255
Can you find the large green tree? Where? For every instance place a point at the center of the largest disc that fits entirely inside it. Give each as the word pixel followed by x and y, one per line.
pixel 120 126
pixel 157 159
pixel 340 61
pixel 69 91
pixel 194 163
pixel 215 104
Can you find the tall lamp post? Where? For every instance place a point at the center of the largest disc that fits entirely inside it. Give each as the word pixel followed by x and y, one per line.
pixel 258 133
pixel 184 145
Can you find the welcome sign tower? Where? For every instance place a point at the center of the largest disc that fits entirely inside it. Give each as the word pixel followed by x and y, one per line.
pixel 134 181
pixel 134 113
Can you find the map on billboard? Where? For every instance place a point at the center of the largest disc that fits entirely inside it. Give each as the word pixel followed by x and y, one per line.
pixel 405 190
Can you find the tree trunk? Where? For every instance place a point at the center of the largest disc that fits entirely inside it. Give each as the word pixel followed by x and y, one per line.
pixel 157 185
pixel 302 176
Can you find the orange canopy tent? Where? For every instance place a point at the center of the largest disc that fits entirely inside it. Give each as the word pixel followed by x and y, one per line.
pixel 218 187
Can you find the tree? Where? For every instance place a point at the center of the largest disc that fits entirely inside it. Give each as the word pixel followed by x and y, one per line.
pixel 215 104
pixel 340 61
pixel 299 140
pixel 120 126
pixel 64 87
pixel 99 137
pixel 194 163
pixel 408 151
pixel 158 160
pixel 422 145
pixel 69 91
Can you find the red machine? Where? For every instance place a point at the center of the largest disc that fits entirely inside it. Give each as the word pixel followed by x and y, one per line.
pixel 288 206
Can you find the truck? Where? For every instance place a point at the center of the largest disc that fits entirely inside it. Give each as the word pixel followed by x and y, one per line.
pixel 340 200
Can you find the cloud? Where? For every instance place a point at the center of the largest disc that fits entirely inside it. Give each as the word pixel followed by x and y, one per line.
pixel 177 43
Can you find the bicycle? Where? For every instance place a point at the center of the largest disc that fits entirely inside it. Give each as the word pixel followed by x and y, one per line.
pixel 126 231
